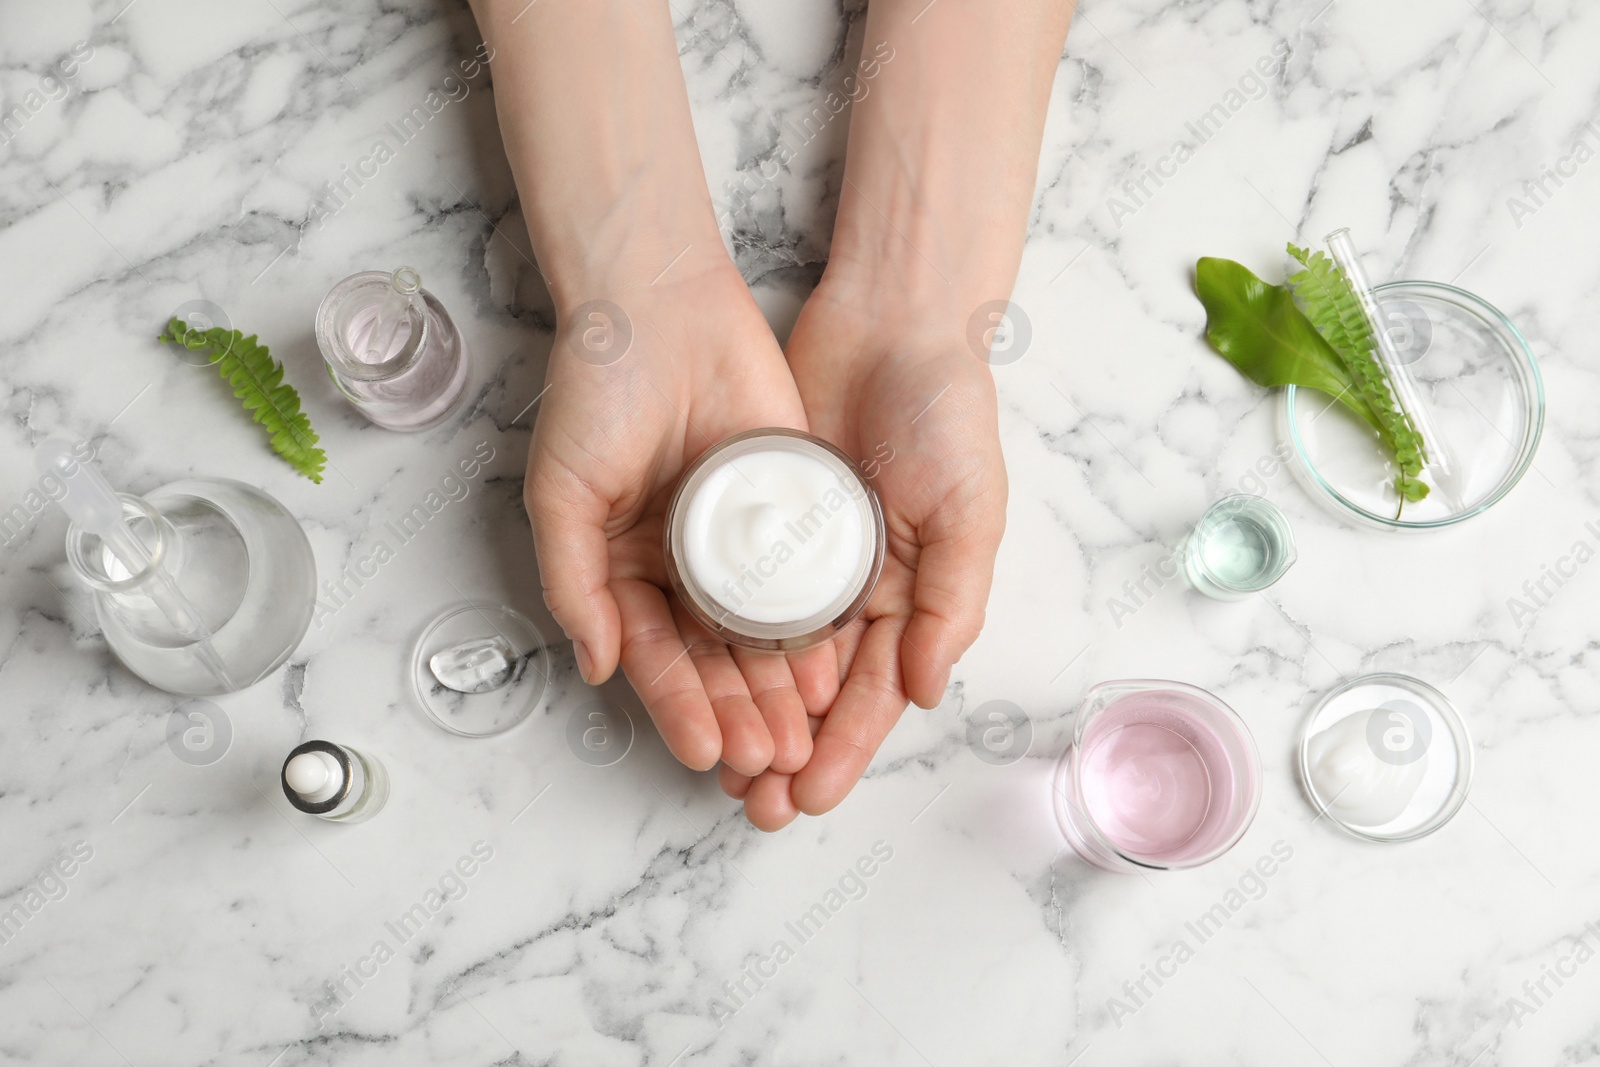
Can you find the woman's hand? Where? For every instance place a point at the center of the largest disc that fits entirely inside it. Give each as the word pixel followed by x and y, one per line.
pixel 660 352
pixel 619 423
pixel 917 411
pixel 938 185
pixel 940 170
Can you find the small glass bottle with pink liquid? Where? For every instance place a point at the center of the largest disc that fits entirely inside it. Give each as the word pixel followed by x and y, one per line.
pixel 392 349
pixel 1160 776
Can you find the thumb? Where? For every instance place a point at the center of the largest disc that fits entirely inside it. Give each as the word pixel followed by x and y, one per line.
pixel 569 537
pixel 952 591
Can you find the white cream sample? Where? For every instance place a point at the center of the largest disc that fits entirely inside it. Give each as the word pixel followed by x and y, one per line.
pixel 778 536
pixel 1358 786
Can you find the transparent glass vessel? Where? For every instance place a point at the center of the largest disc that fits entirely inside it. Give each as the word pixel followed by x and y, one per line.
pixel 357 789
pixel 1241 545
pixel 1407 725
pixel 392 349
pixel 227 561
pixel 1476 377
pixel 1160 776
pixel 776 551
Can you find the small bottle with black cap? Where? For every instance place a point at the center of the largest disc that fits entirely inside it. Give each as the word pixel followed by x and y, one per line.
pixel 335 782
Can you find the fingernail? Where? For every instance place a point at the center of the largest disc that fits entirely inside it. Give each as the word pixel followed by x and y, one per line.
pixel 585 661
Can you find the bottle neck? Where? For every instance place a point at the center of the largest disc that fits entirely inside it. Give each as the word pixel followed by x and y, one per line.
pixel 147 541
pixel 348 777
pixel 368 334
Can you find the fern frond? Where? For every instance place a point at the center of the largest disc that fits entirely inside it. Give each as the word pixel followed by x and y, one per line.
pixel 257 380
pixel 1332 306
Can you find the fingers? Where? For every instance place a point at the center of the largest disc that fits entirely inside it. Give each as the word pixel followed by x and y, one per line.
pixel 746 742
pixel 771 684
pixel 769 804
pixel 733 783
pixel 569 532
pixel 870 702
pixel 816 676
pixel 952 590
pixel 658 664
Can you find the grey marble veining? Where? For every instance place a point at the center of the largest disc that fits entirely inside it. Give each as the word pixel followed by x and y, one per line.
pixel 625 914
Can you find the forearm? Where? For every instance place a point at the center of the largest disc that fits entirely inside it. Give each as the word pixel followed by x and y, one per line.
pixel 944 148
pixel 596 124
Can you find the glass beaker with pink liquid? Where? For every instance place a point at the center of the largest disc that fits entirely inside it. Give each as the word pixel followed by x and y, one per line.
pixel 392 349
pixel 1160 775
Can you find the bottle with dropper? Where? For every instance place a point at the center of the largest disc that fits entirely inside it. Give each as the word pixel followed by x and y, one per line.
pixel 392 349
pixel 202 586
pixel 335 782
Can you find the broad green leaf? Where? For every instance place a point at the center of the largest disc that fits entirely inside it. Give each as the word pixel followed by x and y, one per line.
pixel 1258 328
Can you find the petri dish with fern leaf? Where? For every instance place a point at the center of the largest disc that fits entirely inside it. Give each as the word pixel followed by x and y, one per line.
pixel 1480 384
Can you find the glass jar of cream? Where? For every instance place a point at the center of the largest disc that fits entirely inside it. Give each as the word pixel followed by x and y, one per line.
pixel 774 540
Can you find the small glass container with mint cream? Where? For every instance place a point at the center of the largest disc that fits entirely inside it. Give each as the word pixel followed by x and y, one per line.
pixel 392 349
pixel 1241 545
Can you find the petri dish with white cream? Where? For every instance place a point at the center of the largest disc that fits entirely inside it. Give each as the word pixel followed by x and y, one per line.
pixel 774 540
pixel 1386 757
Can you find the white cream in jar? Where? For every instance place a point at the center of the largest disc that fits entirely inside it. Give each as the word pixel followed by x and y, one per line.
pixel 774 540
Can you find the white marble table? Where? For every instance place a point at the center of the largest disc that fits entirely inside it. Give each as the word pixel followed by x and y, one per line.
pixel 627 914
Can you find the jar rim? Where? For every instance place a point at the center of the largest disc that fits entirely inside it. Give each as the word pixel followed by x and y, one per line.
pixel 725 624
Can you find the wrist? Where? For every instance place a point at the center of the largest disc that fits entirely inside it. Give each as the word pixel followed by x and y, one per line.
pixel 596 125
pixel 943 157
pixel 642 241
pixel 898 293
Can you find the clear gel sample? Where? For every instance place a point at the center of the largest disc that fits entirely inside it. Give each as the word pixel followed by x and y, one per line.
pixel 480 665
pixel 479 669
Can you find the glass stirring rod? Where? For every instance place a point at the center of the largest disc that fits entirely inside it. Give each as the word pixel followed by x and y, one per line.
pixel 93 505
pixel 393 314
pixel 1406 395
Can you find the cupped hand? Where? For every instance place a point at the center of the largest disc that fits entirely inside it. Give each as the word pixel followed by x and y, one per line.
pixel 916 408
pixel 618 423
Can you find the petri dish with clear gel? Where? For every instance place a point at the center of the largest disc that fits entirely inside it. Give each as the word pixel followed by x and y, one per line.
pixel 1385 757
pixel 1241 545
pixel 1476 376
pixel 477 670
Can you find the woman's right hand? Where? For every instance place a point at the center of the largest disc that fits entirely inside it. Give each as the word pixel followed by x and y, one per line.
pixel 642 379
pixel 597 129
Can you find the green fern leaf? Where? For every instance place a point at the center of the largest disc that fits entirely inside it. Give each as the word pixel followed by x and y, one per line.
pixel 257 381
pixel 1331 305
